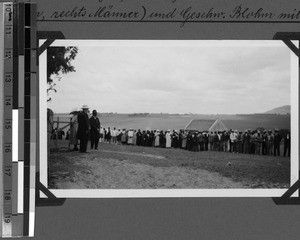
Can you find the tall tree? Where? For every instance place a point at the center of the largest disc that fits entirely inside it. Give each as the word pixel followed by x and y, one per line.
pixel 59 60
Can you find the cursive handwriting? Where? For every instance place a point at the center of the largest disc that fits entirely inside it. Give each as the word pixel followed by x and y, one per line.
pixel 109 12
pixel 173 13
pixel 189 14
pixel 245 13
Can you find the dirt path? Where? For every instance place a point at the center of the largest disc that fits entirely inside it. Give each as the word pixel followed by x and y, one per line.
pixel 115 173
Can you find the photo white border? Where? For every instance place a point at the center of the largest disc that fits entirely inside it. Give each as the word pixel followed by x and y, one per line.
pixel 164 193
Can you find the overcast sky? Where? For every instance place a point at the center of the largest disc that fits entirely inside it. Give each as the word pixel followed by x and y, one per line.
pixel 206 77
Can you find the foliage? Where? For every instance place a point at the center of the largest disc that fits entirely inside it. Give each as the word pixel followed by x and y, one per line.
pixel 59 60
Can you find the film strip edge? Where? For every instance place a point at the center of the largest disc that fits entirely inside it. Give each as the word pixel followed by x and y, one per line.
pixel 18 144
pixel 6 58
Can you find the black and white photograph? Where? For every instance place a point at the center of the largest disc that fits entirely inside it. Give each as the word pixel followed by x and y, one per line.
pixel 169 115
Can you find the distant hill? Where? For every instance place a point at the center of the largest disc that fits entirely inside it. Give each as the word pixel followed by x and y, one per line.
pixel 239 122
pixel 280 110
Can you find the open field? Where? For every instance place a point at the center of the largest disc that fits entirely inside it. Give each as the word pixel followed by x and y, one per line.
pixel 133 167
pixel 165 121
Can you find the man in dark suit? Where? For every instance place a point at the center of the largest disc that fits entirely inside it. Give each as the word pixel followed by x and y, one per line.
pixel 139 137
pixel 95 130
pixel 83 128
pixel 277 140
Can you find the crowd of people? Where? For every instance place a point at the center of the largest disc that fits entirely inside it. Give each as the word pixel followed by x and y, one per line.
pixel 248 142
pixel 260 142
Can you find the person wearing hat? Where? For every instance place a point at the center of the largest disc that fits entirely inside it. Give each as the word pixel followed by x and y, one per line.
pixel 95 130
pixel 277 140
pixel 83 128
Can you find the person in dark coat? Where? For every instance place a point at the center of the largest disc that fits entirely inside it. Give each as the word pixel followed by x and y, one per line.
pixel 95 130
pixel 201 141
pixel 119 136
pixel 239 144
pixel 226 140
pixel 145 138
pixel 175 139
pixel 205 137
pixel 216 141
pixel 287 144
pixel 139 138
pixel 277 140
pixel 264 142
pixel 189 144
pixel 151 139
pixel 83 128
pixel 108 135
pixel 195 142
pixel 247 139
pixel 270 143
pixel 180 138
pixel 162 139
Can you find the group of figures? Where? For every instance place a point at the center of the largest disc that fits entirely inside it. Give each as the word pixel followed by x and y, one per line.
pixel 85 128
pixel 248 142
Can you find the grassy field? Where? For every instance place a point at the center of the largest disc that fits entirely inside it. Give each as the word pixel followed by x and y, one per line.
pixel 165 121
pixel 251 170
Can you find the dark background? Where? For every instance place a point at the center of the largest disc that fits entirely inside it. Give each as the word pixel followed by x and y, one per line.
pixel 178 218
pixel 166 218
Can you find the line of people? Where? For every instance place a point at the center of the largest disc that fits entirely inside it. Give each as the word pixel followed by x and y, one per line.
pixel 248 142
pixel 260 142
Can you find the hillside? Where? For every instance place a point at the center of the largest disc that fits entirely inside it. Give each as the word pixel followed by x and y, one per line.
pixel 280 110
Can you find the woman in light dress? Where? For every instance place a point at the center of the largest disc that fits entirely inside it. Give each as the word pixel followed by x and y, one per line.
pixel 73 131
pixel 184 139
pixel 156 141
pixel 130 137
pixel 123 137
pixel 102 134
pixel 134 137
pixel 168 139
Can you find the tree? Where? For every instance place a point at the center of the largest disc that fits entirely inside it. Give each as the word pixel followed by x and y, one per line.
pixel 59 60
